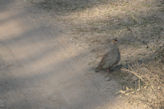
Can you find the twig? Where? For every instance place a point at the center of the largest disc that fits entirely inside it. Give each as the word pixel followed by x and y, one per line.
pixel 133 72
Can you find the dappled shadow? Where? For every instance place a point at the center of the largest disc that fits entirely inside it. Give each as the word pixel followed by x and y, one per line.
pixel 50 70
pixel 12 17
pixel 4 4
pixel 138 32
pixel 38 80
pixel 65 7
pixel 47 71
pixel 30 36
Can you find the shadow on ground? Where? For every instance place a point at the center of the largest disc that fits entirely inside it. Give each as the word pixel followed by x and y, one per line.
pixel 65 7
pixel 45 71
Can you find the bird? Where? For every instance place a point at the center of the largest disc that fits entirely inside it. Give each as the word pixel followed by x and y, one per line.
pixel 111 58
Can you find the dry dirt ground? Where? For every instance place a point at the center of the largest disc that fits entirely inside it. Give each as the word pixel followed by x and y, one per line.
pixel 42 66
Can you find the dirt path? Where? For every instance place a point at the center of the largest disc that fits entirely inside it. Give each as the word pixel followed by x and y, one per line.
pixel 42 68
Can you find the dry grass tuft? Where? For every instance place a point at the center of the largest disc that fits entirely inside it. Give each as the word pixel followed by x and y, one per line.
pixel 149 87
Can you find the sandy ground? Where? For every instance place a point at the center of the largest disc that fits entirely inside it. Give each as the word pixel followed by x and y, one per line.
pixel 41 67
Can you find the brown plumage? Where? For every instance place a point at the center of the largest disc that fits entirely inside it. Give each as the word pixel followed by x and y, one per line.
pixel 111 58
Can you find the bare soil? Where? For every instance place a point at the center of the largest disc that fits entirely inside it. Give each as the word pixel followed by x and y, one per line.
pixel 49 49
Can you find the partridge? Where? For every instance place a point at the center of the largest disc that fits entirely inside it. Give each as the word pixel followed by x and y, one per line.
pixel 111 58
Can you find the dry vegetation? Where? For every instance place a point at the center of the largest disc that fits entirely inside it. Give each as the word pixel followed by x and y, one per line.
pixel 138 25
pixel 148 86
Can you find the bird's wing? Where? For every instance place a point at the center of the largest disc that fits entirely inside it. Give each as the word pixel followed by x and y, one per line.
pixel 110 59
